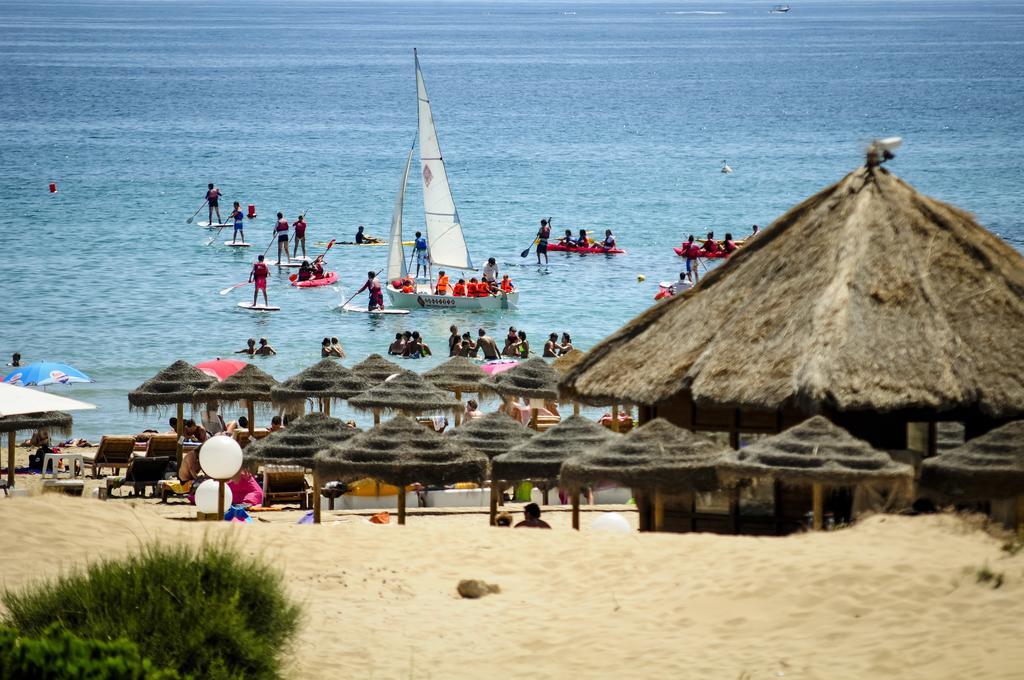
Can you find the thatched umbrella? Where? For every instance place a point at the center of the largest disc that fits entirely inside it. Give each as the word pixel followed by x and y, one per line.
pixel 53 420
pixel 533 379
pixel 248 386
pixel 815 453
pixel 986 468
pixel 325 381
pixel 409 393
pixel 401 452
pixel 820 312
pixel 175 385
pixel 653 458
pixel 566 363
pixel 458 375
pixel 493 434
pixel 541 457
pixel 377 369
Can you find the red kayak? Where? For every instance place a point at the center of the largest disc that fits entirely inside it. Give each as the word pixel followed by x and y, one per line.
pixel 718 254
pixel 596 250
pixel 326 280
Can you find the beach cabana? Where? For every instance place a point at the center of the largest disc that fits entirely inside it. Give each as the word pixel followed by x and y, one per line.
pixel 57 421
pixel 816 454
pixel 376 369
pixel 325 381
pixel 534 380
pixel 402 452
pixel 868 303
pixel 408 393
pixel 540 458
pixel 656 460
pixel 248 386
pixel 988 469
pixel 176 386
pixel 459 375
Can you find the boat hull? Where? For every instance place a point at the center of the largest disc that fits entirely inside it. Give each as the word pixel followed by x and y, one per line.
pixel 428 301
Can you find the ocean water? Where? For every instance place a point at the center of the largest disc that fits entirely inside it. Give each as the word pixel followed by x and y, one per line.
pixel 599 114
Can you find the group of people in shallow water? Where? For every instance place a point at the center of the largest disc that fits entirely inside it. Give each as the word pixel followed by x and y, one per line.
pixel 409 345
pixel 264 350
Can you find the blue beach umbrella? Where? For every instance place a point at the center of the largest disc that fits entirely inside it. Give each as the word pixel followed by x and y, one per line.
pixel 46 373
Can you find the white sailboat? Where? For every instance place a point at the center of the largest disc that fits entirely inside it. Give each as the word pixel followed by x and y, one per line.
pixel 445 239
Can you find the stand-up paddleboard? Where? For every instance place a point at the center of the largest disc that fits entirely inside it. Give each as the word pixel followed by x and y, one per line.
pixel 290 263
pixel 258 308
pixel 215 225
pixel 364 310
pixel 237 244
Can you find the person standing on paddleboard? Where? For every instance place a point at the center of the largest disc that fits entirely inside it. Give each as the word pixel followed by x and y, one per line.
pixel 420 248
pixel 376 294
pixel 239 220
pixel 299 234
pixel 258 276
pixel 213 201
pixel 543 234
pixel 281 229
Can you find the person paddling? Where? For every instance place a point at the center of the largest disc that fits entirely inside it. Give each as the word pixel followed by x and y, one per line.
pixel 213 202
pixel 583 241
pixel 543 234
pixel 258 276
pixel 710 244
pixel 299 234
pixel 609 240
pixel 239 220
pixel 281 229
pixel 568 241
pixel 362 238
pixel 376 294
pixel 729 245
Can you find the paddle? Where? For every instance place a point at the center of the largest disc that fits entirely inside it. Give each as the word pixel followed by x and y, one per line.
pixel 189 220
pixel 319 258
pixel 237 285
pixel 357 292
pixel 528 248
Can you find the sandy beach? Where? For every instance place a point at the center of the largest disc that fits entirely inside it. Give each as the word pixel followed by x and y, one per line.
pixel 893 597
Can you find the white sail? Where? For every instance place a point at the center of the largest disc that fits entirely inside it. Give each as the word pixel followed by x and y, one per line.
pixel 444 230
pixel 396 253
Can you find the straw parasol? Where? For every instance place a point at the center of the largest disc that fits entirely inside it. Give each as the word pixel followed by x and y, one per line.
pixel 326 381
pixel 175 385
pixel 817 453
pixel 650 459
pixel 401 452
pixel 248 386
pixel 57 421
pixel 298 443
pixel 493 434
pixel 407 392
pixel 868 296
pixel 563 365
pixel 985 468
pixel 377 369
pixel 458 375
pixel 541 457
pixel 530 379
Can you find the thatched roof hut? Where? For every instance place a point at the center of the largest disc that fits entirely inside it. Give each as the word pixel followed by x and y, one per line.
pixel 377 369
pixel 657 455
pixel 300 441
pixel 492 435
pixel 401 452
pixel 985 468
pixel 530 379
pixel 867 297
pixel 458 374
pixel 567 362
pixel 408 392
pixel 176 384
pixel 248 385
pixel 541 457
pixel 57 421
pixel 326 380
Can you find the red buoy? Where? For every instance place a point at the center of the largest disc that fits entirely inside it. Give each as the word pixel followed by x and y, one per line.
pixel 252 211
pixel 53 188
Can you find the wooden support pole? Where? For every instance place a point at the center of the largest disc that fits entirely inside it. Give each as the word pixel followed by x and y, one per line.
pixel 818 493
pixel 180 429
pixel 327 406
pixel 545 490
pixel 220 499
pixel 316 498
pixel 534 413
pixel 576 508
pixel 458 411
pixel 615 417
pixel 401 504
pixel 252 419
pixel 376 417
pixel 575 408
pixel 10 459
pixel 495 492
pixel 659 510
pixel 1020 515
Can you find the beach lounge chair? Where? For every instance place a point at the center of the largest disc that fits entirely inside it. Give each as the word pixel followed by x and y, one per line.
pixel 162 445
pixel 142 473
pixel 546 421
pixel 286 483
pixel 115 452
pixel 243 437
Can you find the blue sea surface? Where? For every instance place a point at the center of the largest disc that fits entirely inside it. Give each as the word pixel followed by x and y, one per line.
pixel 599 114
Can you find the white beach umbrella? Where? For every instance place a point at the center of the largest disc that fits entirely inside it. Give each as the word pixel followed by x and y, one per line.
pixel 16 400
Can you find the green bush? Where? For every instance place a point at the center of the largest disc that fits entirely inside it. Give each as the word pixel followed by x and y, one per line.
pixel 211 613
pixel 59 655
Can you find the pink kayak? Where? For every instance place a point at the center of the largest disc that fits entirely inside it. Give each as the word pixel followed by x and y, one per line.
pixel 596 250
pixel 326 280
pixel 717 255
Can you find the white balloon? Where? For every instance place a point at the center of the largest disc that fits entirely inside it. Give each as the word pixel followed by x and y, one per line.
pixel 612 522
pixel 206 496
pixel 220 457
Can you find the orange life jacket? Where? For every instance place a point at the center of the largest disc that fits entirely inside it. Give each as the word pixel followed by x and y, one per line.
pixel 459 290
pixel 408 286
pixel 506 285
pixel 442 285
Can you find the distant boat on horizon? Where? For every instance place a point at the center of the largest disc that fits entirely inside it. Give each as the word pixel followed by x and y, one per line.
pixel 779 9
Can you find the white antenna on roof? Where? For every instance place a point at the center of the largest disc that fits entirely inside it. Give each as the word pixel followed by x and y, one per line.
pixel 882 150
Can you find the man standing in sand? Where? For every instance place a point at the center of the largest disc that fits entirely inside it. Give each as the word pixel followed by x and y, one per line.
pixel 486 344
pixel 532 518
pixel 213 202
